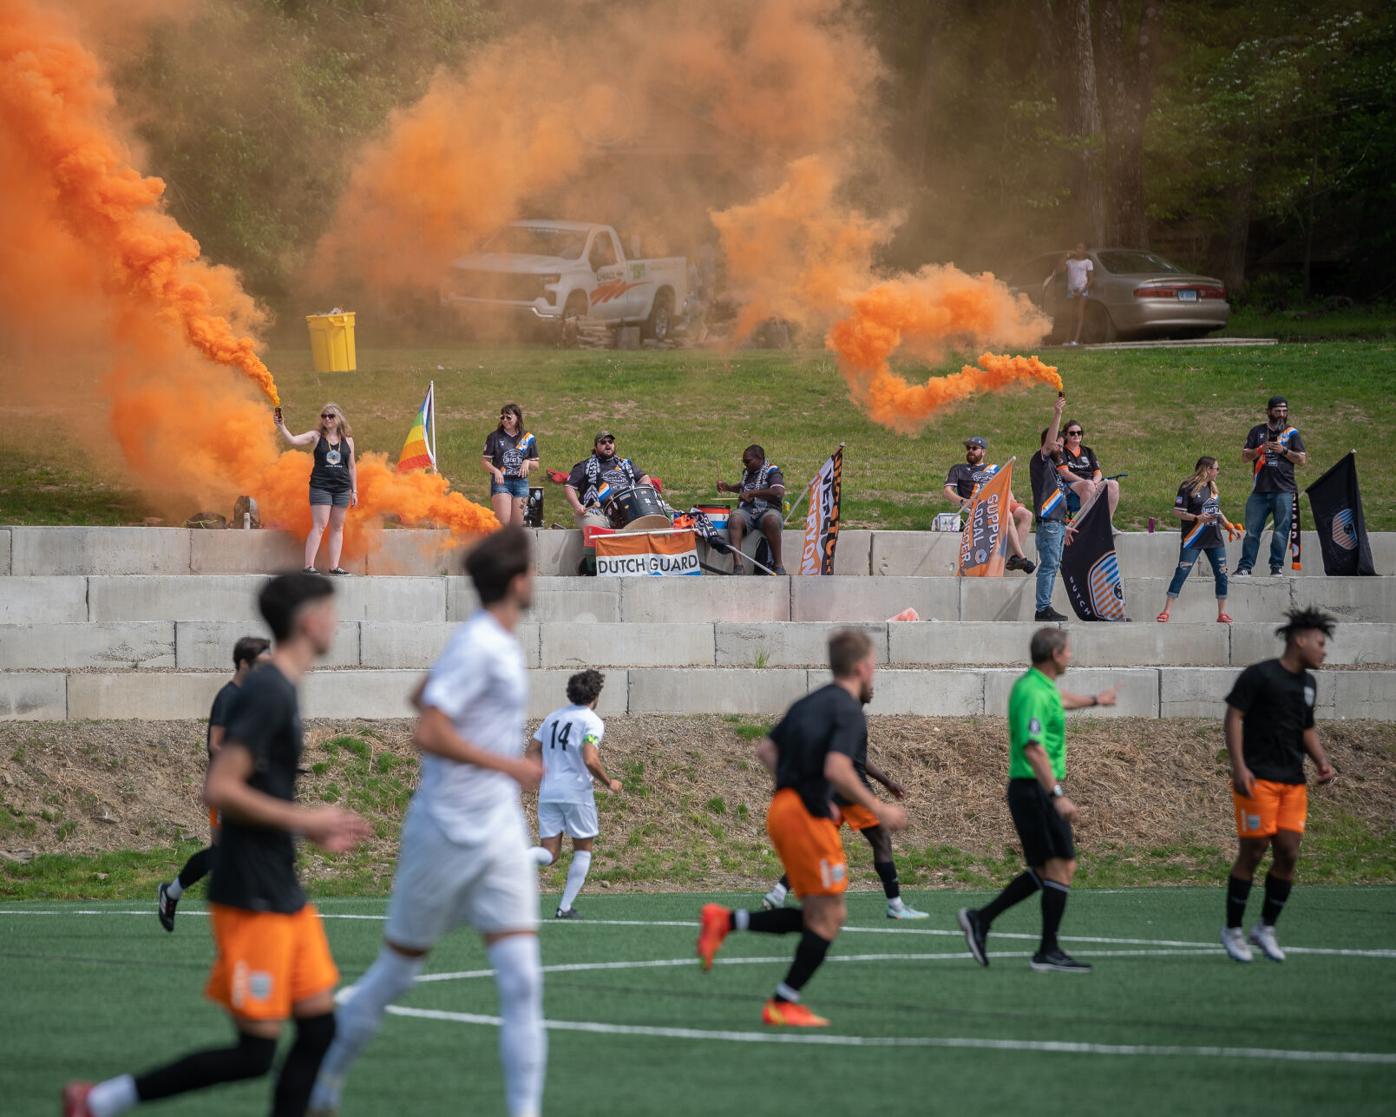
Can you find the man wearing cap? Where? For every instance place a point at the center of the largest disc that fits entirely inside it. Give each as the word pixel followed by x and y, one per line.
pixel 1273 449
pixel 603 470
pixel 965 479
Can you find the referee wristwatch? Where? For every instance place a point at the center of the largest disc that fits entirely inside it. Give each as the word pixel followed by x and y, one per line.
pixel 1058 792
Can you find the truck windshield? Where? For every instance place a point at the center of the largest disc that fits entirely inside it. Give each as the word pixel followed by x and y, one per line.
pixel 538 240
pixel 1135 263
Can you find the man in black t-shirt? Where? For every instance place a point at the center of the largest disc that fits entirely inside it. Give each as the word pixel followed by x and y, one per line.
pixel 273 959
pixel 968 477
pixel 1273 449
pixel 594 478
pixel 1269 730
pixel 1049 510
pixel 249 653
pixel 811 754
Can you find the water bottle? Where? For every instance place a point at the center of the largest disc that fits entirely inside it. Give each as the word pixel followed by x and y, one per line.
pixel 1152 522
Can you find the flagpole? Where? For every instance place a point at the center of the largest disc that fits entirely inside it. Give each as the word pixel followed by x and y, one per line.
pixel 804 494
pixel 431 394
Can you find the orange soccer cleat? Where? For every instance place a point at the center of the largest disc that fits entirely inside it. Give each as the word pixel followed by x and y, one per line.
pixel 713 925
pixel 75 1099
pixel 790 1014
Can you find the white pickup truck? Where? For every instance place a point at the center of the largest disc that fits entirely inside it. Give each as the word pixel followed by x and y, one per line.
pixel 555 270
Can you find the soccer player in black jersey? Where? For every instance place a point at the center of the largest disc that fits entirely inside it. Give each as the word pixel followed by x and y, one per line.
pixel 273 960
pixel 249 653
pixel 1269 730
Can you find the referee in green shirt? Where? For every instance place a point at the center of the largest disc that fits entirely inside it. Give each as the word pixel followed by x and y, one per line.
pixel 1041 811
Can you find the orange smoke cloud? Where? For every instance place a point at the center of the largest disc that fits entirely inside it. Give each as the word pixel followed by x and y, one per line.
pixel 591 114
pixel 925 314
pixel 105 306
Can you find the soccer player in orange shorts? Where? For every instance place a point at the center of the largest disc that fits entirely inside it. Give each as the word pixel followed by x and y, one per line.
pixel 273 960
pixel 811 754
pixel 1269 729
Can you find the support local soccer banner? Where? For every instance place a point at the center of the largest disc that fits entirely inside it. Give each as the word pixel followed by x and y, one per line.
pixel 658 553
pixel 984 541
pixel 822 520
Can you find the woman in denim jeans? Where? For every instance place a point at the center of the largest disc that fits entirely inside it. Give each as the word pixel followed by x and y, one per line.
pixel 510 454
pixel 1199 509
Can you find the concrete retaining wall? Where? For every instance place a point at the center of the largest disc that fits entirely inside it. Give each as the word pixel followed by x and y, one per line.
pixel 1143 692
pixel 144 550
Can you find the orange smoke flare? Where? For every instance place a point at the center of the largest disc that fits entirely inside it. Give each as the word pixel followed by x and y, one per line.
pixel 52 99
pixel 110 318
pixel 926 314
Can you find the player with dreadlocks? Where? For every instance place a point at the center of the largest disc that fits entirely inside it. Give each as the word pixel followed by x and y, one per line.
pixel 1269 729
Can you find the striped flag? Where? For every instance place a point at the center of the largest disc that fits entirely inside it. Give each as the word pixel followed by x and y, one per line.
pixel 419 451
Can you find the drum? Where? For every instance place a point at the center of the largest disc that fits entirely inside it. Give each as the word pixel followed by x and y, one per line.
pixel 637 509
pixel 717 514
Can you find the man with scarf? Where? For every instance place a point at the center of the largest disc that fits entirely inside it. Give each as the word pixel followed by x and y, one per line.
pixel 593 480
pixel 1273 449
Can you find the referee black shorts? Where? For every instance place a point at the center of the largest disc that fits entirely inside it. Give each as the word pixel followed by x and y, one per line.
pixel 1041 829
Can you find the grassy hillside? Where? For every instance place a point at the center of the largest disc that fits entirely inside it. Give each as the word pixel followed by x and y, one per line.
pixel 103 810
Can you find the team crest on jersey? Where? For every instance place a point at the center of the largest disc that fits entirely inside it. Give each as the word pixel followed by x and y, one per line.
pixel 1343 531
pixel 1034 726
pixel 1309 696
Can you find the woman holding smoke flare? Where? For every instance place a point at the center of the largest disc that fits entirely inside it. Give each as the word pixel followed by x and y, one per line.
pixel 1199 509
pixel 510 454
pixel 334 481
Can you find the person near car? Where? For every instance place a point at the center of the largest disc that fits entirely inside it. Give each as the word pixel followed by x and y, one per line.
pixel 510 454
pixel 1273 448
pixel 967 477
pixel 1080 277
pixel 1049 506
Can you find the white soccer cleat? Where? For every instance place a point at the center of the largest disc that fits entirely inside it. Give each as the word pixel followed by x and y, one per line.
pixel 902 911
pixel 1264 937
pixel 775 898
pixel 1234 939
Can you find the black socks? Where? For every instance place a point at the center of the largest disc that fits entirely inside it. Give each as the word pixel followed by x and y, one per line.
pixel 1276 893
pixel 1237 892
pixel 781 921
pixel 195 869
pixel 808 957
pixel 251 1058
pixel 314 1034
pixel 1019 889
pixel 1054 896
pixel 887 870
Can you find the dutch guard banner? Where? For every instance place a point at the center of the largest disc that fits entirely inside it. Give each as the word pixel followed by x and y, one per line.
pixel 984 541
pixel 1090 569
pixel 1336 502
pixel 660 553
pixel 822 518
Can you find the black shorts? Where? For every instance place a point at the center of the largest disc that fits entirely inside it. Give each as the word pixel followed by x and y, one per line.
pixel 1042 830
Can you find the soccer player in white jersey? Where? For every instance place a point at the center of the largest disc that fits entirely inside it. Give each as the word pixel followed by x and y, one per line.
pixel 464 857
pixel 567 742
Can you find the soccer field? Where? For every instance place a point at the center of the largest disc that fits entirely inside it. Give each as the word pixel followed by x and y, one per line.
pixel 1166 1024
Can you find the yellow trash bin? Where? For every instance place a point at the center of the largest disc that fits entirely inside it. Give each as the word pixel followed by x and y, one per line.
pixel 332 341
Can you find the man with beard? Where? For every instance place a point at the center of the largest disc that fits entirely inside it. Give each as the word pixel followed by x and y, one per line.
pixel 967 478
pixel 594 478
pixel 811 754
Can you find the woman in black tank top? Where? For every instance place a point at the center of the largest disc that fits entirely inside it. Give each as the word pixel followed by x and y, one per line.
pixel 334 481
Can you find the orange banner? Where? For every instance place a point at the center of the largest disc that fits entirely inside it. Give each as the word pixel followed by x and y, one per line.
pixel 984 541
pixel 654 553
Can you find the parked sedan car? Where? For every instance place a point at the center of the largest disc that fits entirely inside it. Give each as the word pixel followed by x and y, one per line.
pixel 1134 293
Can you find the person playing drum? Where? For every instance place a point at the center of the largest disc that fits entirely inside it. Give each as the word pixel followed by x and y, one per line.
pixel 592 479
pixel 760 496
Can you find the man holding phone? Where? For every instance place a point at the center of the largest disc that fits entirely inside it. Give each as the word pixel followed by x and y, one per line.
pixel 1273 449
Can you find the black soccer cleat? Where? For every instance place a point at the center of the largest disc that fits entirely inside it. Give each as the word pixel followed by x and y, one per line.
pixel 1057 961
pixel 976 934
pixel 568 913
pixel 165 907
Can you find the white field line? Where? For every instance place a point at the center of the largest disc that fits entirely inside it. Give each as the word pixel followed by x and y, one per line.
pixel 1328 951
pixel 1062 1047
pixel 664 963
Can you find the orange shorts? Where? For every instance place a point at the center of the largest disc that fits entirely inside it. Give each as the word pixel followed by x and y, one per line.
pixel 267 962
pixel 1273 806
pixel 857 817
pixel 809 847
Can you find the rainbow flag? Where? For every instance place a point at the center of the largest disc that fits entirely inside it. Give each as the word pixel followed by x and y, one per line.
pixel 419 451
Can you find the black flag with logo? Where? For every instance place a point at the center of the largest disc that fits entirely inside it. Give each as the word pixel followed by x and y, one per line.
pixel 1342 530
pixel 1091 570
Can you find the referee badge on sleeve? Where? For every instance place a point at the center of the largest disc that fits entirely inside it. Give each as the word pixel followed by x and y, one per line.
pixel 1034 726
